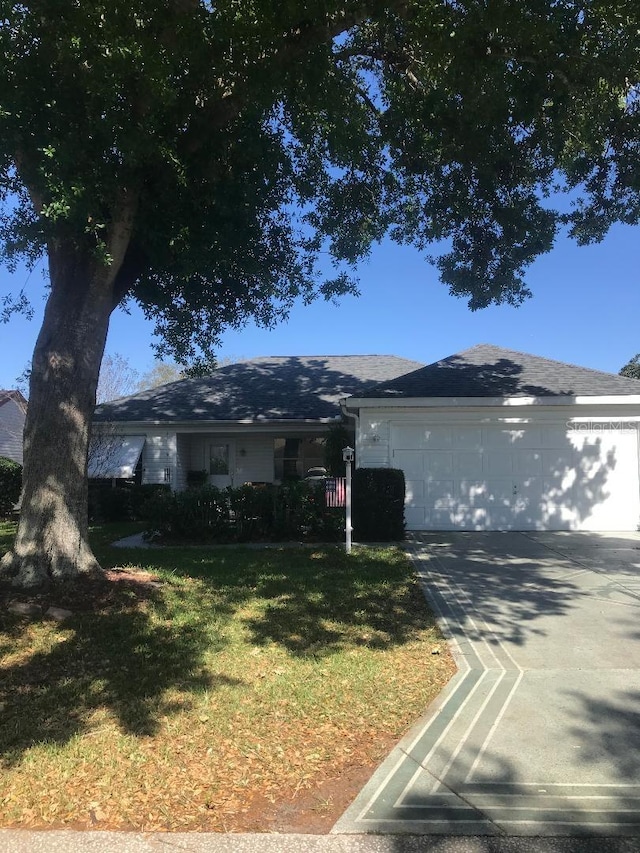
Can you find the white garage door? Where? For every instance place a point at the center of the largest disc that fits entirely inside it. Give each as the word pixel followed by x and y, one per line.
pixel 529 478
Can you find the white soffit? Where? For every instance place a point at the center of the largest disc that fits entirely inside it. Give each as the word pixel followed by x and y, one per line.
pixel 445 402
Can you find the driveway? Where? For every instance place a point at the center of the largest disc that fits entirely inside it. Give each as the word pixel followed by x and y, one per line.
pixel 539 731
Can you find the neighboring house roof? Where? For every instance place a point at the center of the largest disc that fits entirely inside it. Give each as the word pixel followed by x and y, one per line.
pixel 13 407
pixel 261 389
pixel 16 396
pixel 489 371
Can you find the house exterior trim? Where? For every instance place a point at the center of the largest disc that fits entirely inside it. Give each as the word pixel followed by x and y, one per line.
pixel 351 403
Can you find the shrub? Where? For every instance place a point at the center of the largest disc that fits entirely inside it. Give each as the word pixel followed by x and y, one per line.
pixel 125 502
pixel 10 484
pixel 196 479
pixel 140 495
pixel 112 504
pixel 197 514
pixel 291 511
pixel 337 439
pixel 378 504
pixel 252 512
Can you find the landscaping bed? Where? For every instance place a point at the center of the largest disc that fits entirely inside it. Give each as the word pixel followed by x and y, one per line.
pixel 221 690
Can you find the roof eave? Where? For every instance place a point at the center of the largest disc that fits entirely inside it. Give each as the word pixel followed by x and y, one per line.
pixel 176 425
pixel 352 403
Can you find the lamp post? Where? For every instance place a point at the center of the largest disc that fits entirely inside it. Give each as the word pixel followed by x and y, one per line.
pixel 347 456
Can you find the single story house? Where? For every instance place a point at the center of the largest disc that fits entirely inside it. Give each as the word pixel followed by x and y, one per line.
pixel 13 411
pixel 488 438
pixel 259 420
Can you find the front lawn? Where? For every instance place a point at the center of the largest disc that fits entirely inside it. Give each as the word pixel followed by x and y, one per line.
pixel 210 689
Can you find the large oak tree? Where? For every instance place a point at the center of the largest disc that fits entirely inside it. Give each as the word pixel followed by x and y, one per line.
pixel 197 156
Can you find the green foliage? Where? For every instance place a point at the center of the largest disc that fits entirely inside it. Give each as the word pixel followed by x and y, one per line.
pixel 245 139
pixel 378 504
pixel 338 438
pixel 291 511
pixel 632 368
pixel 10 484
pixel 126 502
pixel 197 479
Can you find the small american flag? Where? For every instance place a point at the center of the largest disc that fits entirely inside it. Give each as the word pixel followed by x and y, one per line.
pixel 336 491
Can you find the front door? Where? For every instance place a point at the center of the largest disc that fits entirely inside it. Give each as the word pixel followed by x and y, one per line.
pixel 222 459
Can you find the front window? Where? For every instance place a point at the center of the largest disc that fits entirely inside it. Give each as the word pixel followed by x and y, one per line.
pixel 219 459
pixel 294 456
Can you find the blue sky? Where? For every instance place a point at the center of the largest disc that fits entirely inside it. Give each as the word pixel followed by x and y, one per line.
pixel 585 310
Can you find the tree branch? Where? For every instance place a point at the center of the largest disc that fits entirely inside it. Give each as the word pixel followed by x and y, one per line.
pixel 295 44
pixel 499 52
pixel 36 198
pixel 368 102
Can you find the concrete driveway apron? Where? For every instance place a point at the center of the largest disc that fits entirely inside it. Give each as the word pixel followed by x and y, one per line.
pixel 539 731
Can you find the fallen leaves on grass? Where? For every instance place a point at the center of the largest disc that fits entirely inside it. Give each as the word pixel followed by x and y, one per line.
pixel 229 702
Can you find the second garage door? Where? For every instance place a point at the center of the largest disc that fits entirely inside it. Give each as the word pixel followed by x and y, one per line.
pixel 550 477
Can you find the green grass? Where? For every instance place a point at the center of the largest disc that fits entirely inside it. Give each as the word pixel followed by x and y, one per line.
pixel 243 673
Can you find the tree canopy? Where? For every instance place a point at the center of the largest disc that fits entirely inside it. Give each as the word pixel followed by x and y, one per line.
pixel 206 159
pixel 632 368
pixel 243 139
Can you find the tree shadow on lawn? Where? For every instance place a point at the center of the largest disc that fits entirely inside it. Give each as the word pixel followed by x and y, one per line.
pixel 122 654
pixel 340 602
pixel 125 647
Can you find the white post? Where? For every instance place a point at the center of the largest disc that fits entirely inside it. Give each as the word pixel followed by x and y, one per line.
pixel 347 456
pixel 348 508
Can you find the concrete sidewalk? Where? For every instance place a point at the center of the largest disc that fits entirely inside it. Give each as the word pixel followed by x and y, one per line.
pixel 22 841
pixel 539 732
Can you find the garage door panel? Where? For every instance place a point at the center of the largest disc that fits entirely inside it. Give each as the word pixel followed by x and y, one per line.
pixel 437 489
pixel 498 463
pixel 501 517
pixel 528 462
pixel 411 462
pixel 468 464
pixel 415 518
pixel 548 477
pixel 555 437
pixel 415 492
pixel 558 465
pixel 438 465
pixel 474 492
pixel 462 517
pixel 500 439
pixel 499 493
pixel 467 438
pixel 527 438
pixel 412 437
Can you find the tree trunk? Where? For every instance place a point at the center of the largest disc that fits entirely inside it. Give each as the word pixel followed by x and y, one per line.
pixel 52 538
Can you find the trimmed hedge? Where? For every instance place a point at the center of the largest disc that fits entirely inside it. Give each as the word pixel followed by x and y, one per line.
pixel 197 479
pixel 378 504
pixel 125 502
pixel 290 511
pixel 337 439
pixel 10 484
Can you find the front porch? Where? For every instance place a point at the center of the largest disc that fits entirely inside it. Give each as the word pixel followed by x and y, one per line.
pixel 234 458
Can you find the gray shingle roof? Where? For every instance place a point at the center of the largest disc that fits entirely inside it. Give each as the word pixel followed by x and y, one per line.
pixel 261 389
pixel 489 371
